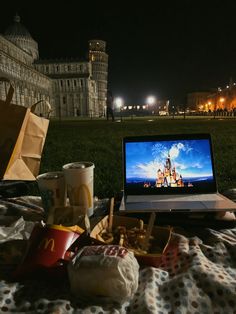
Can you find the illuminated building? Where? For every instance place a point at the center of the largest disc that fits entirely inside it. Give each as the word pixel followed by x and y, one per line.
pixel 72 87
pixel 220 100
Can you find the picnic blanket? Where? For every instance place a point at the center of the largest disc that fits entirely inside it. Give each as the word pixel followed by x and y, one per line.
pixel 197 274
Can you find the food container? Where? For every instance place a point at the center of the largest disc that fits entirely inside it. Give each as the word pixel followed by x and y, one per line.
pixel 50 248
pixel 160 237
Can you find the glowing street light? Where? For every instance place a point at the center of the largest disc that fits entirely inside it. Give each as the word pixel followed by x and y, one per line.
pixel 119 104
pixel 222 100
pixel 151 100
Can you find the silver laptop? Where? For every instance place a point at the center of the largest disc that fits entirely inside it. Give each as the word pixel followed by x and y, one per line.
pixel 171 173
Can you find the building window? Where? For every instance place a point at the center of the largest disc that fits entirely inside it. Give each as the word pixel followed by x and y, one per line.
pixel 75 83
pixel 61 82
pixel 57 68
pixel 68 83
pixel 64 99
pixel 81 83
pixel 68 67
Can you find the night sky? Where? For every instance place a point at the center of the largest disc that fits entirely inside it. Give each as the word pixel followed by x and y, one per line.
pixel 163 48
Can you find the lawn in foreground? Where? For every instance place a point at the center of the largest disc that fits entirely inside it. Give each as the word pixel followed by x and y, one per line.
pixel 100 142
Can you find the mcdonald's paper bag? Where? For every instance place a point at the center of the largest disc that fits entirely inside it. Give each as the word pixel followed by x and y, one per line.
pixel 22 138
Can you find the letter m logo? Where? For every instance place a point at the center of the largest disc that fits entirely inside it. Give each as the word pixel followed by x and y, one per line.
pixel 47 243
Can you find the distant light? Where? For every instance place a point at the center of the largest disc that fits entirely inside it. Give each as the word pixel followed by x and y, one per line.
pixel 119 102
pixel 227 86
pixel 138 107
pixel 222 99
pixel 144 107
pixel 151 100
pixel 150 120
pixel 130 107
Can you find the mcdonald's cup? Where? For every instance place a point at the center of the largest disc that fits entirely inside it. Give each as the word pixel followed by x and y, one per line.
pixel 79 182
pixel 53 192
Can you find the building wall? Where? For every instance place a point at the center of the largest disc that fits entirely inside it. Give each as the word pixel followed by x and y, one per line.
pixel 219 100
pixel 74 91
pixel 26 44
pixel 73 88
pixel 196 101
pixel 29 85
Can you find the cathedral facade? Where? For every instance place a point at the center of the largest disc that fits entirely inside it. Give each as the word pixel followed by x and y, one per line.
pixel 72 87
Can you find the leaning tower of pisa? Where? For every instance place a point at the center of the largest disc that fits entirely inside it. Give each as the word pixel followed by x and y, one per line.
pixel 99 60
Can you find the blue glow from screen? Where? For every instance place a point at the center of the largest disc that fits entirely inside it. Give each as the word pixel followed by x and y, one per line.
pixel 186 159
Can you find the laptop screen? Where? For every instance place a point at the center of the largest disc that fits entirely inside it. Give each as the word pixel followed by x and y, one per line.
pixel 168 164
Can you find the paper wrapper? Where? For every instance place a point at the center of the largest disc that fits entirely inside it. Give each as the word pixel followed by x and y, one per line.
pixel 104 273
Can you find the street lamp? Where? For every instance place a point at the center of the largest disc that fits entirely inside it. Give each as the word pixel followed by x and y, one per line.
pixel 222 100
pixel 119 104
pixel 151 100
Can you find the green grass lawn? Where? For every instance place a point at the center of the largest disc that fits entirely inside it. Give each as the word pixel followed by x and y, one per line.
pixel 100 142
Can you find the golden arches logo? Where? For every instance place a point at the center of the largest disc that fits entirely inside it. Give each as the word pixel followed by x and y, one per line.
pixel 76 192
pixel 46 242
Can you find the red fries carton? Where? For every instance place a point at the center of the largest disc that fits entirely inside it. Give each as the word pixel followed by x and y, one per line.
pixel 50 246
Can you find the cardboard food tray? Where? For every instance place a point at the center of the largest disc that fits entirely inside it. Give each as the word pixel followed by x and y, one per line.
pixel 161 236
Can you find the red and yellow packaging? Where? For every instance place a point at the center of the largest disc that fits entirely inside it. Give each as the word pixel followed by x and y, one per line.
pixel 50 247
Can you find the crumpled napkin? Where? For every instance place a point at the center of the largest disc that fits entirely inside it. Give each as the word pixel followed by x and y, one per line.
pixel 18 230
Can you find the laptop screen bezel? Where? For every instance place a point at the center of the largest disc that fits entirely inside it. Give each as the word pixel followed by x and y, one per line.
pixel 163 191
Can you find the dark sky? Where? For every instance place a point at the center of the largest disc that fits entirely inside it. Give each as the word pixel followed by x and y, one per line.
pixel 164 48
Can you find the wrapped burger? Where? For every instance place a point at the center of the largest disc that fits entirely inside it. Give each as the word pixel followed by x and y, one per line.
pixel 104 272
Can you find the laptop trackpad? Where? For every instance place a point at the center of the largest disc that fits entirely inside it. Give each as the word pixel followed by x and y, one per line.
pixel 172 205
pixel 166 206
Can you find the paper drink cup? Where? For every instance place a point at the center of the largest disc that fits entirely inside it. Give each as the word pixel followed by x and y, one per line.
pixel 53 192
pixel 79 183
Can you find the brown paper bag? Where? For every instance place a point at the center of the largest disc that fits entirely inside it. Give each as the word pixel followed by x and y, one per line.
pixel 22 137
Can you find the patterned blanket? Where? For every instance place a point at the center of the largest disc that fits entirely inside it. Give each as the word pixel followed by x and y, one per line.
pixel 197 274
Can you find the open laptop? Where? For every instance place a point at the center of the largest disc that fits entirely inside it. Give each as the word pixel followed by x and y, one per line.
pixel 171 173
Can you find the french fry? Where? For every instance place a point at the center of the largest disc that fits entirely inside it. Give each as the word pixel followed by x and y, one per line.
pixel 149 231
pixel 99 238
pixel 136 239
pixel 121 242
pixel 110 222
